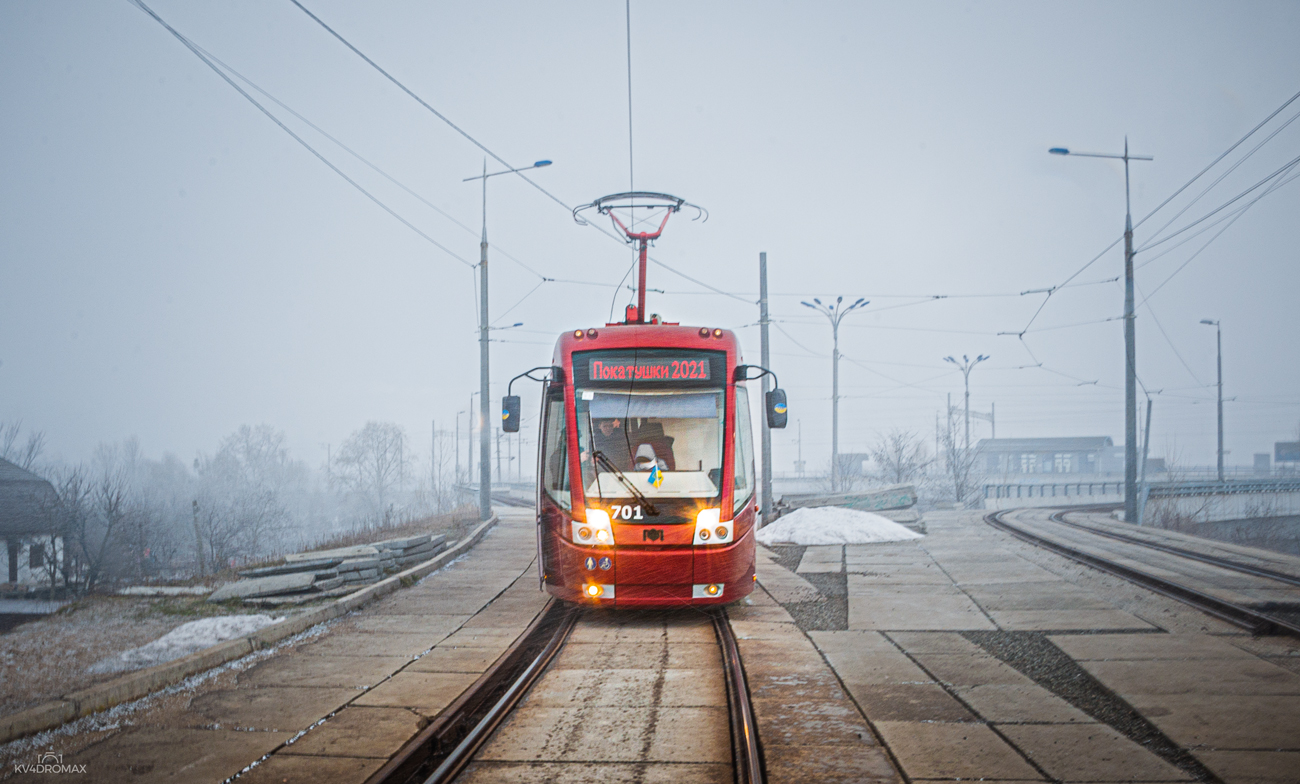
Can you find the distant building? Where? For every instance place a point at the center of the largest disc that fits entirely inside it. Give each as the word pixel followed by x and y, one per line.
pixel 26 524
pixel 1084 455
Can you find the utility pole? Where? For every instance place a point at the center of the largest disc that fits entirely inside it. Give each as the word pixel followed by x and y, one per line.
pixel 800 461
pixel 499 479
pixel 834 313
pixel 1130 341
pixel 1218 338
pixel 1144 488
pixel 198 540
pixel 766 358
pixel 433 457
pixel 484 438
pixel 966 365
pixel 458 446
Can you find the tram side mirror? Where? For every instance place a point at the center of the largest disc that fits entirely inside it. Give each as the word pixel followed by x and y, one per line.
pixel 510 413
pixel 776 409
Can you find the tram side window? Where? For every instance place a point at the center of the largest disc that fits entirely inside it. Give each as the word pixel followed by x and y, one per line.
pixel 555 477
pixel 744 451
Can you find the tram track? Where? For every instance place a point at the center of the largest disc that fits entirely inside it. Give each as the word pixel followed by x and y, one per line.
pixel 1255 619
pixel 447 746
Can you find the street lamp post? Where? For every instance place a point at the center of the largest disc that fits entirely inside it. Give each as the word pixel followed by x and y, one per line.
pixel 485 439
pixel 1130 346
pixel 835 313
pixel 1218 335
pixel 966 365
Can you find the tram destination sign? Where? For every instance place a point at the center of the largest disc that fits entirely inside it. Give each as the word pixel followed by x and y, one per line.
pixel 686 366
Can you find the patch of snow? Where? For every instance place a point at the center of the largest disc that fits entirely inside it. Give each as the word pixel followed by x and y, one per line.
pixel 183 640
pixel 833 525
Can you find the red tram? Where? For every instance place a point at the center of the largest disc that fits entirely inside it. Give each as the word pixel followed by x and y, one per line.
pixel 646 489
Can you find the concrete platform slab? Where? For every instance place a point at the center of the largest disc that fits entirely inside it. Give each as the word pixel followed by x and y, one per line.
pixel 1196 676
pixel 284 769
pixel 951 751
pixel 596 773
pixel 363 644
pixel 796 687
pixel 613 735
pixel 571 688
pixel 1252 767
pixel 867 658
pixel 1060 620
pixel 288 708
pixel 435 627
pixel 828 764
pixel 1224 722
pixel 342 671
pixel 927 702
pixel 148 754
pixel 935 642
pixel 426 692
pixel 1126 647
pixel 914 608
pixel 1018 704
pixel 635 656
pixel 453 659
pixel 961 670
pixel 1089 752
pixel 358 732
pixel 792 723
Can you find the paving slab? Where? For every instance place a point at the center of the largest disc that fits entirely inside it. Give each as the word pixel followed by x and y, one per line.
pixel 928 702
pixel 596 773
pixel 289 708
pixel 914 608
pixel 1223 722
pixel 612 734
pixel 1253 767
pixel 935 642
pixel 1020 704
pixel 343 671
pixel 952 751
pixel 967 670
pixel 288 769
pixel 358 732
pixel 1127 647
pixel 631 688
pixel 1089 752
pixel 151 754
pixel 1061 620
pixel 828 764
pixel 455 659
pixel 426 692
pixel 867 658
pixel 832 723
pixel 345 643
pixel 1197 676
pixel 628 656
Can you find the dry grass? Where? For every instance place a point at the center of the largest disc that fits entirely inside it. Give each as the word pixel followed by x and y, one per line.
pixel 454 525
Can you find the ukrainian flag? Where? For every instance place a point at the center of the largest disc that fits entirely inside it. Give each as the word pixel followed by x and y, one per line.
pixel 656 476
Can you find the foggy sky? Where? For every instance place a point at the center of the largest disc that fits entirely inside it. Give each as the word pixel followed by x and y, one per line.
pixel 173 265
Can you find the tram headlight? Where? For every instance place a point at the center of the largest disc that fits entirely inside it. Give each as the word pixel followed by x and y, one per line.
pixel 710 530
pixel 598 530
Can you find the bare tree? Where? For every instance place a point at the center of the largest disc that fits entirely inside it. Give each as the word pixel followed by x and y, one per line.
pixel 900 456
pixel 371 462
pixel 23 455
pixel 960 463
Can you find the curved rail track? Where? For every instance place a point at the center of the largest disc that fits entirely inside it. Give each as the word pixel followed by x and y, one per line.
pixel 443 749
pixel 1256 619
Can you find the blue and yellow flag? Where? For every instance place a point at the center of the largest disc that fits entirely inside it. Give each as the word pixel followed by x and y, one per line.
pixel 656 476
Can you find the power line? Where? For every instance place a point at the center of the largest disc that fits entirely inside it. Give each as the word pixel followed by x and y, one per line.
pixel 197 53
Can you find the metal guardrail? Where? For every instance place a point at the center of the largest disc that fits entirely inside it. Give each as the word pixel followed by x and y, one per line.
pixel 1157 489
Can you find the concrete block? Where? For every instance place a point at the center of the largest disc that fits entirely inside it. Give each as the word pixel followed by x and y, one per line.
pixel 264 586
pixel 327 584
pixel 359 551
pixel 404 543
pixel 369 574
pixel 357 564
pixel 320 564
pixel 41 717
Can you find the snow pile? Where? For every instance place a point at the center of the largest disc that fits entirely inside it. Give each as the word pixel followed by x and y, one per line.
pixel 833 525
pixel 184 640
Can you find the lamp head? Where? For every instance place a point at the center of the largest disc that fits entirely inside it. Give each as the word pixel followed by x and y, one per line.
pixel 540 164
pixel 1059 151
pixel 1211 322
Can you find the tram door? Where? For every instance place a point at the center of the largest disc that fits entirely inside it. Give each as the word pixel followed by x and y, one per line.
pixel 553 499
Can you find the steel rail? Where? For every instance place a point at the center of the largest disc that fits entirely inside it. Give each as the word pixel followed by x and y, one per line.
pixel 1255 621
pixel 1212 560
pixel 507 680
pixel 747 757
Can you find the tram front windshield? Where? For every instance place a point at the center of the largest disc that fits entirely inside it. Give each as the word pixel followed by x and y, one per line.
pixel 665 444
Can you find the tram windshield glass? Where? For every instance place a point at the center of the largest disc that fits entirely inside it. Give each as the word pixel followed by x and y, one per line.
pixel 666 444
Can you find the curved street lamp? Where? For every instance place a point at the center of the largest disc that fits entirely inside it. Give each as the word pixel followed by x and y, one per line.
pixel 835 313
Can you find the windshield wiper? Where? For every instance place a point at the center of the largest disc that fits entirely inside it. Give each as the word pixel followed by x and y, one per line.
pixel 623 480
